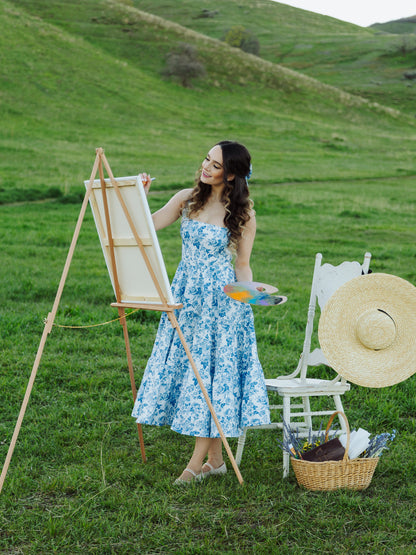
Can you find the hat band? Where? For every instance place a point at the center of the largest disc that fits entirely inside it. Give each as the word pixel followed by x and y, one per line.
pixel 376 329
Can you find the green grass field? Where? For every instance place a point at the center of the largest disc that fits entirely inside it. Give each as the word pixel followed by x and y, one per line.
pixel 333 173
pixel 76 482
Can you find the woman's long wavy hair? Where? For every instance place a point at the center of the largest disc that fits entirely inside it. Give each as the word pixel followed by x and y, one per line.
pixel 235 196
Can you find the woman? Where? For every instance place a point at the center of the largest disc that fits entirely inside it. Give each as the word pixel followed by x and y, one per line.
pixel 217 222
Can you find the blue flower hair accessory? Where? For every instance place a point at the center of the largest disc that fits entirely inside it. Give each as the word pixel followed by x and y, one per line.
pixel 249 174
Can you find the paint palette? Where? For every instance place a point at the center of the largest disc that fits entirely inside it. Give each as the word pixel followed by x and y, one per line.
pixel 253 292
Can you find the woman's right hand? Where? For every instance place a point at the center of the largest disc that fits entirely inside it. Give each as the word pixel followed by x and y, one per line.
pixel 146 180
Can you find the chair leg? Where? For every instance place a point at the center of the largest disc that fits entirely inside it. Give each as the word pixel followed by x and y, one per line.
pixel 240 446
pixel 307 408
pixel 286 419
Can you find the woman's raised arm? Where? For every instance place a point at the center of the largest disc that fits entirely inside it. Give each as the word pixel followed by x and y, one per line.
pixel 171 211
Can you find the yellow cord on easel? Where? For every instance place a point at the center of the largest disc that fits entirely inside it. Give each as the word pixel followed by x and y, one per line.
pixel 95 325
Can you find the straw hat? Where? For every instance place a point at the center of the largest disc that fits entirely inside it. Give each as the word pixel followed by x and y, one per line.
pixel 367 330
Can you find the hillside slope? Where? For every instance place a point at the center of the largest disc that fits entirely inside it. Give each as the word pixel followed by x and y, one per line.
pixel 359 60
pixel 404 26
pixel 71 86
pixel 144 39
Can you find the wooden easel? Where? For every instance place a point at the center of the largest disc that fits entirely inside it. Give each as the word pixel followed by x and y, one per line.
pixel 163 306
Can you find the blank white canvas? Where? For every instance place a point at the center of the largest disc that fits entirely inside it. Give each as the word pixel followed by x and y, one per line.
pixel 135 280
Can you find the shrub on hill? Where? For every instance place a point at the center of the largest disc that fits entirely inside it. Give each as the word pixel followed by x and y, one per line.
pixel 183 63
pixel 403 51
pixel 239 37
pixel 204 13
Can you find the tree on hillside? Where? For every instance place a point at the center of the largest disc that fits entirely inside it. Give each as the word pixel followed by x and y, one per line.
pixel 183 63
pixel 240 37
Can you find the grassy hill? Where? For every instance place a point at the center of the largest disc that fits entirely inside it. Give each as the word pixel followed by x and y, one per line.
pixel 357 59
pixel 84 74
pixel 406 26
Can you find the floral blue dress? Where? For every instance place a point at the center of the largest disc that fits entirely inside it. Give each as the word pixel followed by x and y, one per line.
pixel 220 334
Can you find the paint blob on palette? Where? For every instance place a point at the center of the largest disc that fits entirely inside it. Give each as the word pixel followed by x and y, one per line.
pixel 253 292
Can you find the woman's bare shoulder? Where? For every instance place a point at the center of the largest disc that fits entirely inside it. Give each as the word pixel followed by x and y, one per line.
pixel 252 217
pixel 182 195
pixel 186 193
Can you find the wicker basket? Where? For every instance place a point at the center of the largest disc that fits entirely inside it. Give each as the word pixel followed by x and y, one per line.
pixel 331 475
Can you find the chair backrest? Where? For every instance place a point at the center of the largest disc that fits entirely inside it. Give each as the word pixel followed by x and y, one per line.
pixel 326 280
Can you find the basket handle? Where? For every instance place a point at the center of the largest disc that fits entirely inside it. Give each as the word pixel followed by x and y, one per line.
pixel 347 446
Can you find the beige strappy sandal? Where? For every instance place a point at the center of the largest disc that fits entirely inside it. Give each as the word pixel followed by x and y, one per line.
pixel 195 477
pixel 222 469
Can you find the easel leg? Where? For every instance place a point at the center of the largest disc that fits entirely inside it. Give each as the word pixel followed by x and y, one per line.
pixel 175 324
pixel 122 314
pixel 48 326
pixel 121 311
pixel 24 404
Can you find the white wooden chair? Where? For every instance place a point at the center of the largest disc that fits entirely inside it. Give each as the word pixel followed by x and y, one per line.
pixel 326 280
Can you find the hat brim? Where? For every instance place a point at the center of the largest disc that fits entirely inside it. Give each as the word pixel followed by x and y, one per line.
pixel 339 340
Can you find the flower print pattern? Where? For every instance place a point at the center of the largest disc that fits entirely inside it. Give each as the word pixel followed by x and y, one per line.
pixel 220 334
